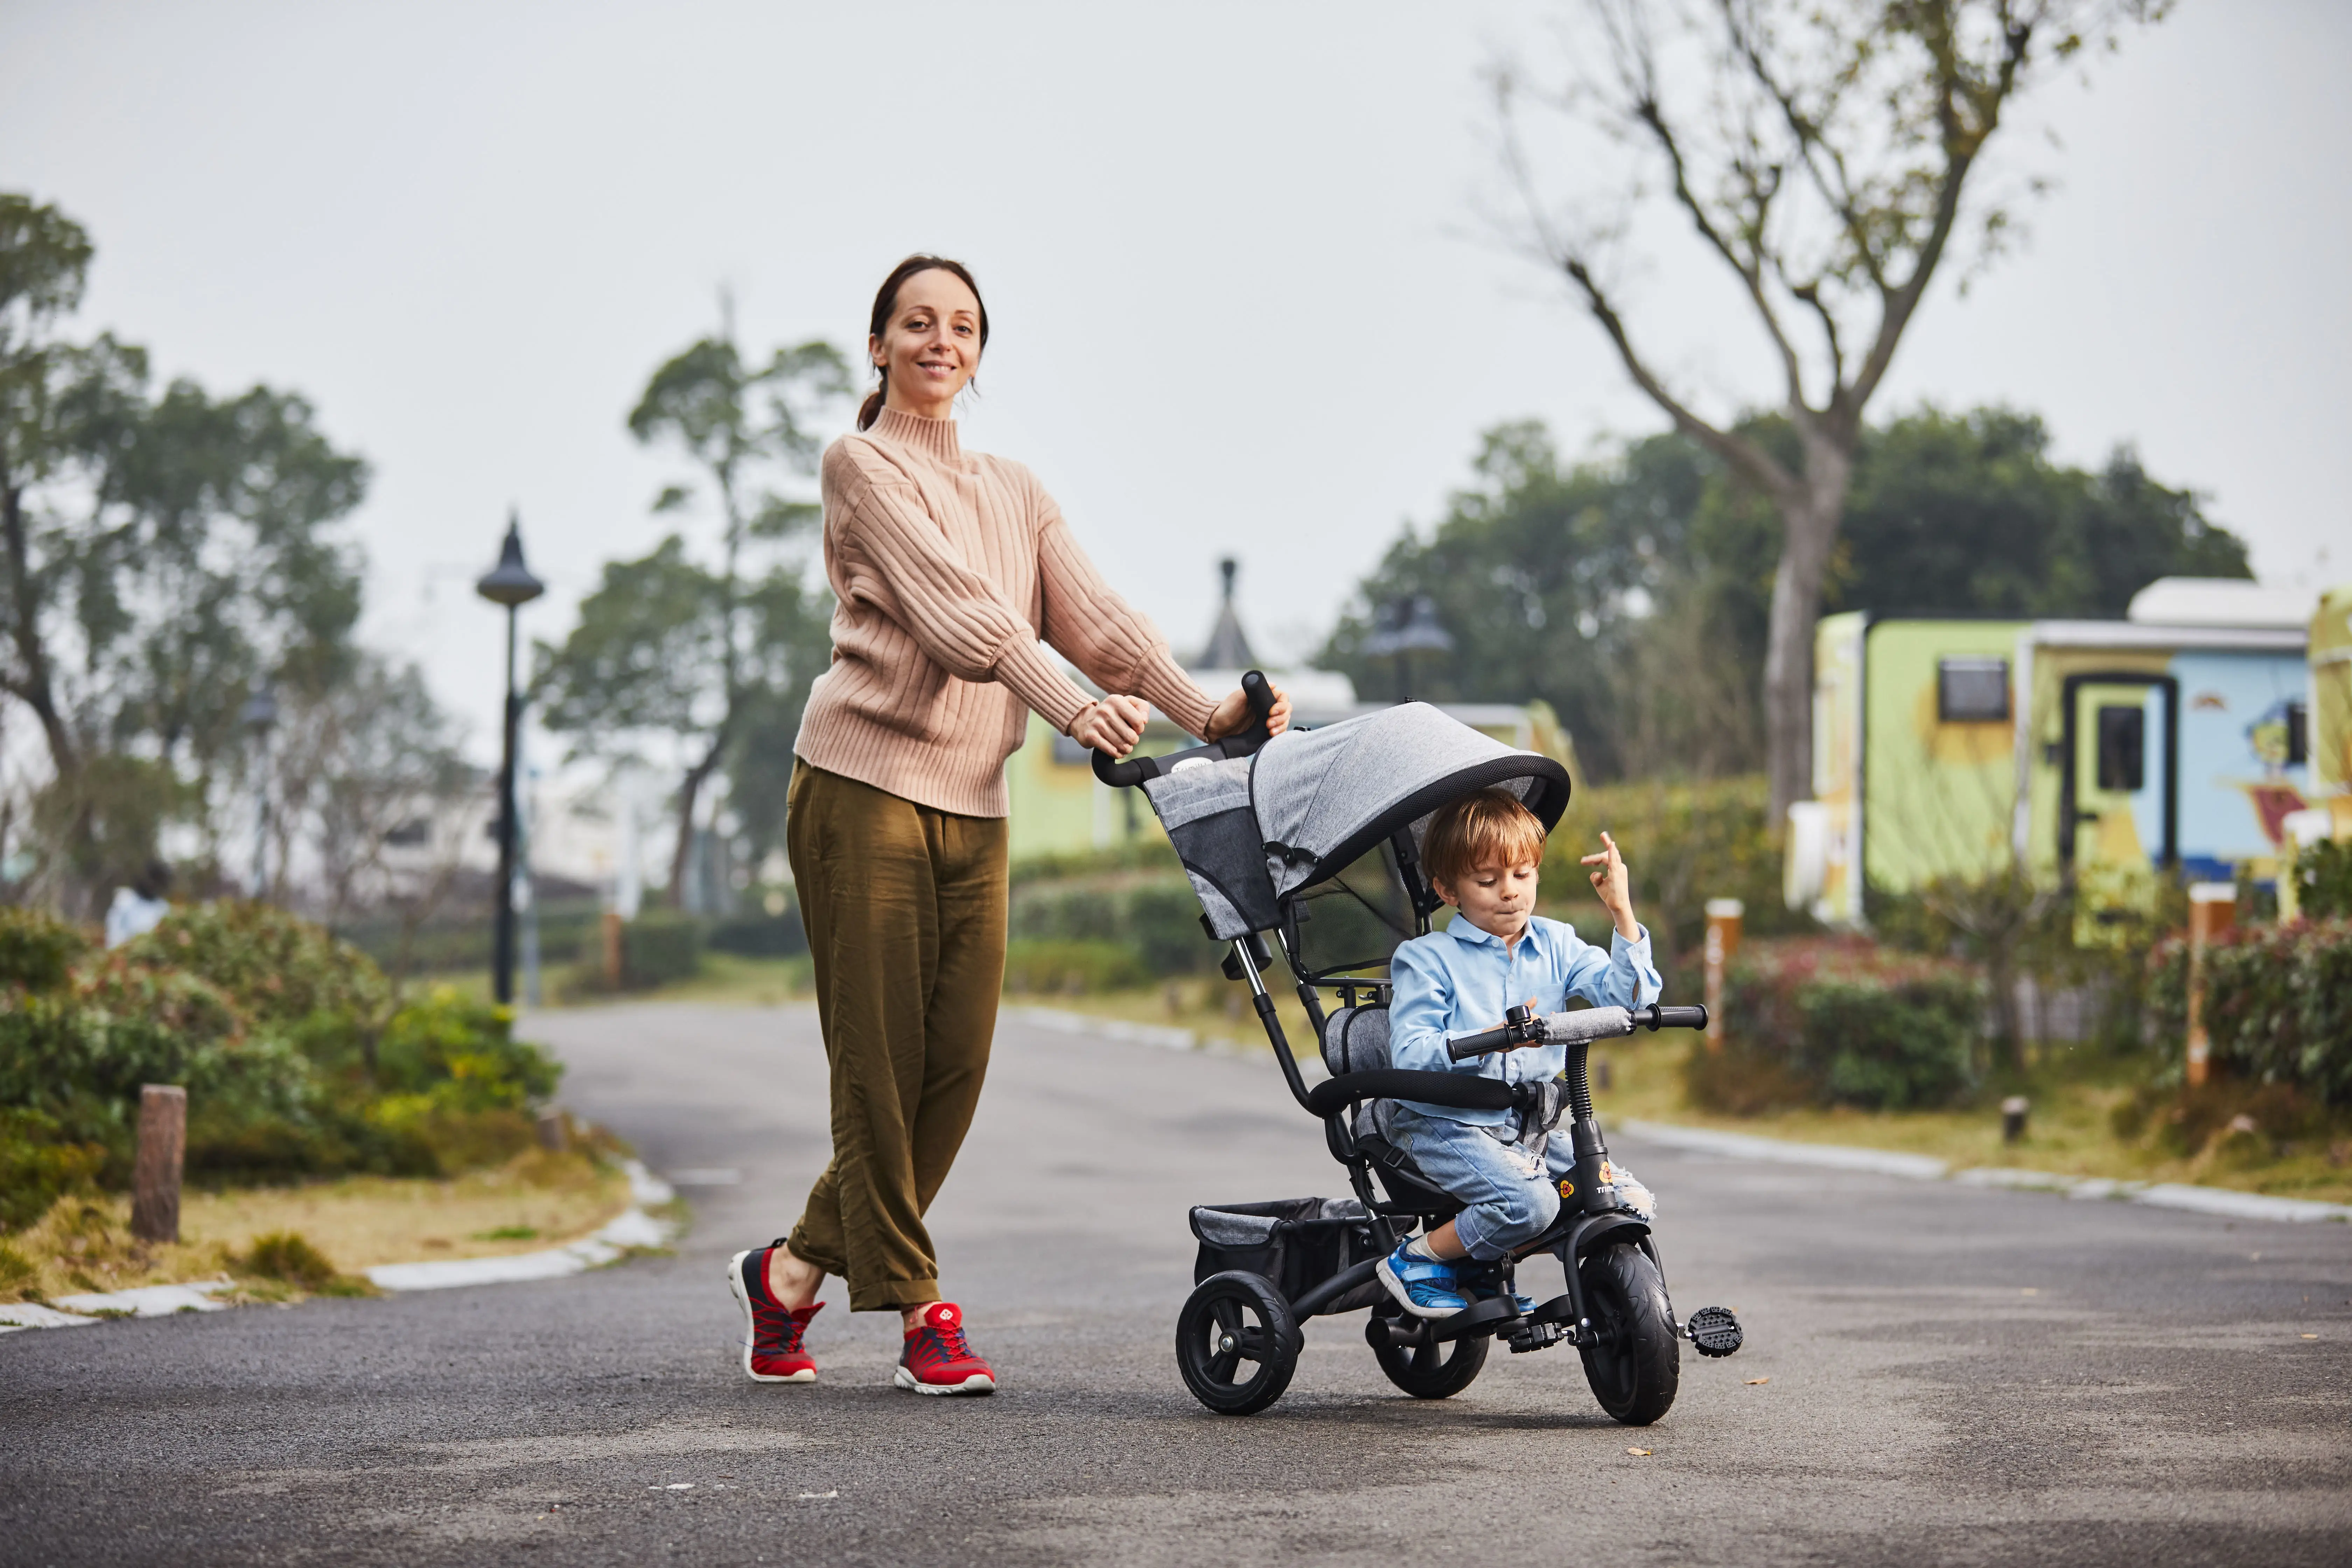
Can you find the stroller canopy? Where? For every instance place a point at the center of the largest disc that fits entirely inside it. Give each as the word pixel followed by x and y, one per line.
pixel 1324 797
pixel 1252 831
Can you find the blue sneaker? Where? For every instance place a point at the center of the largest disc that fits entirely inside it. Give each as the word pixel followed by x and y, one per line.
pixel 1422 1286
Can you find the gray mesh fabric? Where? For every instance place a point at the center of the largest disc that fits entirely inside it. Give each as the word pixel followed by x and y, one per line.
pixel 1205 807
pixel 1356 1039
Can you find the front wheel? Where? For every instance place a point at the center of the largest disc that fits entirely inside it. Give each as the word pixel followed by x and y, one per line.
pixel 1236 1343
pixel 1635 1364
pixel 1430 1370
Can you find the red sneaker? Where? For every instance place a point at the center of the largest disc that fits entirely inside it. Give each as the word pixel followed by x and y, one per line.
pixel 771 1331
pixel 937 1359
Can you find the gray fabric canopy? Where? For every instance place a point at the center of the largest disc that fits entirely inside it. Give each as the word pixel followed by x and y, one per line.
pixel 1254 830
pixel 1323 797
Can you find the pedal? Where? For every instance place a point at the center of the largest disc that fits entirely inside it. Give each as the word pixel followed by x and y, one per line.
pixel 1714 1331
pixel 1531 1336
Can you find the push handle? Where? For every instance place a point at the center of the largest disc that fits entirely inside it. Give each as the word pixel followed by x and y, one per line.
pixel 1259 694
pixel 1655 1018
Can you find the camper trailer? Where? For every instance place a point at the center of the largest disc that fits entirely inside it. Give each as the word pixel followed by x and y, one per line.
pixel 2170 744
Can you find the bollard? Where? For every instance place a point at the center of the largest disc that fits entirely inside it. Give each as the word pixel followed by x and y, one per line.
pixel 1723 921
pixel 155 1174
pixel 2013 1118
pixel 612 950
pixel 551 1135
pixel 2212 911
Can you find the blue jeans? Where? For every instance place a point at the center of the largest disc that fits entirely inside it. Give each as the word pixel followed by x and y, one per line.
pixel 1510 1199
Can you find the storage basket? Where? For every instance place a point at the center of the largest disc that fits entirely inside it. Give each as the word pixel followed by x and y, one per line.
pixel 1297 1243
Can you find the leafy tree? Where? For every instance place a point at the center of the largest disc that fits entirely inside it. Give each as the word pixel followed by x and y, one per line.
pixel 667 646
pixel 1633 594
pixel 1824 154
pixel 158 554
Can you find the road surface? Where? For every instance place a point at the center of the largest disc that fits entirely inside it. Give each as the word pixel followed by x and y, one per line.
pixel 1955 1375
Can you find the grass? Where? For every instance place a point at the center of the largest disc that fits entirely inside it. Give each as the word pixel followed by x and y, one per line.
pixel 284 1242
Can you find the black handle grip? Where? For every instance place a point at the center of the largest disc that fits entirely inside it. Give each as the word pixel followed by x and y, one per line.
pixel 1478 1044
pixel 1657 1018
pixel 1255 690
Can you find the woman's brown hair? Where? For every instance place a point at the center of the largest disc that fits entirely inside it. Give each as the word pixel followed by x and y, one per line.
pixel 887 301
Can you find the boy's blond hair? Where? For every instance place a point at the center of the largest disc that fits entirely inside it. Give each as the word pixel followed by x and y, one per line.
pixel 1489 828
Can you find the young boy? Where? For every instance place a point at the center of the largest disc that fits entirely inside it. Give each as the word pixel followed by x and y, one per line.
pixel 1483 855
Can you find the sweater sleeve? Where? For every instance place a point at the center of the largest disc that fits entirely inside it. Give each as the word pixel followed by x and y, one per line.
pixel 954 614
pixel 1117 648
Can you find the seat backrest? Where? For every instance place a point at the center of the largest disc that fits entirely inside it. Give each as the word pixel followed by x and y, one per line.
pixel 1356 1039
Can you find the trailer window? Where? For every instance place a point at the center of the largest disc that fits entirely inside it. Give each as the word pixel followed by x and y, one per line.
pixel 2123 749
pixel 1972 691
pixel 2298 735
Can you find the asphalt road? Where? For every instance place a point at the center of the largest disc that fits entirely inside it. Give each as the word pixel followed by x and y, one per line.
pixel 1956 1376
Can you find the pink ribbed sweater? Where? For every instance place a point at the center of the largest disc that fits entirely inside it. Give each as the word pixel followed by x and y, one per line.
pixel 946 568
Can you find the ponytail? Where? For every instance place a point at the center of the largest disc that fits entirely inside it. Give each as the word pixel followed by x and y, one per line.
pixel 887 301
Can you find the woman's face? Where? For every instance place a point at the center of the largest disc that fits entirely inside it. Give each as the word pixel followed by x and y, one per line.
pixel 932 347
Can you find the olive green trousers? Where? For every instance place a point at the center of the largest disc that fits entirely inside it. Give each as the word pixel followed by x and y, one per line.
pixel 904 910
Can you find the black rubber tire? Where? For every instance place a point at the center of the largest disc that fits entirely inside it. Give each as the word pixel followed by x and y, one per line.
pixel 1636 1364
pixel 1245 1313
pixel 1425 1371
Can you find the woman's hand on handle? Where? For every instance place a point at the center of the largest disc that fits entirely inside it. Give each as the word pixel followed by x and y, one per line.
pixel 1113 725
pixel 1233 715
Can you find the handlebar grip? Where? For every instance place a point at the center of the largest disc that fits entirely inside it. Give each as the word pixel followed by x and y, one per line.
pixel 1674 1017
pixel 1478 1044
pixel 1258 692
pixel 1590 1024
pixel 1121 776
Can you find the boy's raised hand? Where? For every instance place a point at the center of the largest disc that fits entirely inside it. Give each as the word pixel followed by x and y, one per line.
pixel 1614 887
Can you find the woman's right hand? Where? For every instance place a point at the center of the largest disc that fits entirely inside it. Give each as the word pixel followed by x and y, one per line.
pixel 1113 725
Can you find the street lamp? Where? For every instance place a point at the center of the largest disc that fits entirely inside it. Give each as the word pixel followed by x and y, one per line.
pixel 1405 624
pixel 510 583
pixel 260 715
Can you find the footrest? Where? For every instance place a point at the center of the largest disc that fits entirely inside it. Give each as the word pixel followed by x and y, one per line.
pixel 1714 1331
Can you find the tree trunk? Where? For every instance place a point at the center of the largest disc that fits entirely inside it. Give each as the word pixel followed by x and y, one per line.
pixel 690 791
pixel 1808 531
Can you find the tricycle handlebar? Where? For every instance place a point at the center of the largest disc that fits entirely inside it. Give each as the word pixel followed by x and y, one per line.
pixel 1241 743
pixel 1573 1029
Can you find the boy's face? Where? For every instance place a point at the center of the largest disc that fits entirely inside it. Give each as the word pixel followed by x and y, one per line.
pixel 1496 899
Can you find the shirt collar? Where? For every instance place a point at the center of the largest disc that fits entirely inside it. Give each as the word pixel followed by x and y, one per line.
pixel 1469 935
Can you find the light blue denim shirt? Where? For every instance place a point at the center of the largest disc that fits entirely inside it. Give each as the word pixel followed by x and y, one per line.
pixel 1461 980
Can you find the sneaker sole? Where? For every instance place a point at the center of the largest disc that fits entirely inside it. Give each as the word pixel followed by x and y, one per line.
pixel 743 1300
pixel 1404 1298
pixel 976 1383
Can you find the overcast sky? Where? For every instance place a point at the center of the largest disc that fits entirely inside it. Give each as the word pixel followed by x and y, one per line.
pixel 1242 294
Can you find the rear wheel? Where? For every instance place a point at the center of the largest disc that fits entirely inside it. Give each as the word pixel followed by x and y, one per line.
pixel 1236 1343
pixel 1425 1371
pixel 1635 1362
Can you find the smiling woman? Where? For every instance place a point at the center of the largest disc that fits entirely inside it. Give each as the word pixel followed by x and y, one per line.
pixel 949 569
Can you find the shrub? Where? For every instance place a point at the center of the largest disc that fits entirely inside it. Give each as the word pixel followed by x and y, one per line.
pixel 759 936
pixel 463 1054
pixel 2278 1003
pixel 656 948
pixel 1071 967
pixel 2324 871
pixel 40 1162
pixel 1854 1023
pixel 37 949
pixel 277 967
pixel 1154 916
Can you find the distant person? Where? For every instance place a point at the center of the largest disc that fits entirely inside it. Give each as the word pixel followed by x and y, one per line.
pixel 140 907
pixel 948 568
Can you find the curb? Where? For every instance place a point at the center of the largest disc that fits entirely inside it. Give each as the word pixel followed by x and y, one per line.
pixel 2226 1201
pixel 633 1227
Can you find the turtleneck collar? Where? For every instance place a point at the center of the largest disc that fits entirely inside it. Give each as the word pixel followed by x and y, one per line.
pixel 934 438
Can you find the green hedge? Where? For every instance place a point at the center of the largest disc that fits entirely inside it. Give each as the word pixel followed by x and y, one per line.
pixel 1841 1021
pixel 1073 968
pixel 295 1061
pixel 2325 873
pixel 2278 1003
pixel 761 936
pixel 1153 917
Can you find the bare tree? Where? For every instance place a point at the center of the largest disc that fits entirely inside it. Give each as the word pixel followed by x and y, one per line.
pixel 1821 150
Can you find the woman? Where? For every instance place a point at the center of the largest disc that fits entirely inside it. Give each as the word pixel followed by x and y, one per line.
pixel 948 568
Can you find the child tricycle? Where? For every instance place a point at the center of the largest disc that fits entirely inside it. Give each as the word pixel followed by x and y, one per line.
pixel 1313 838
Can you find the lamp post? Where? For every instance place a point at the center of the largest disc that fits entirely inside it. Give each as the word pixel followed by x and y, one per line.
pixel 259 716
pixel 1405 624
pixel 510 583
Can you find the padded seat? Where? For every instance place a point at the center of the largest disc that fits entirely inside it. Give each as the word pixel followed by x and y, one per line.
pixel 1356 1039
